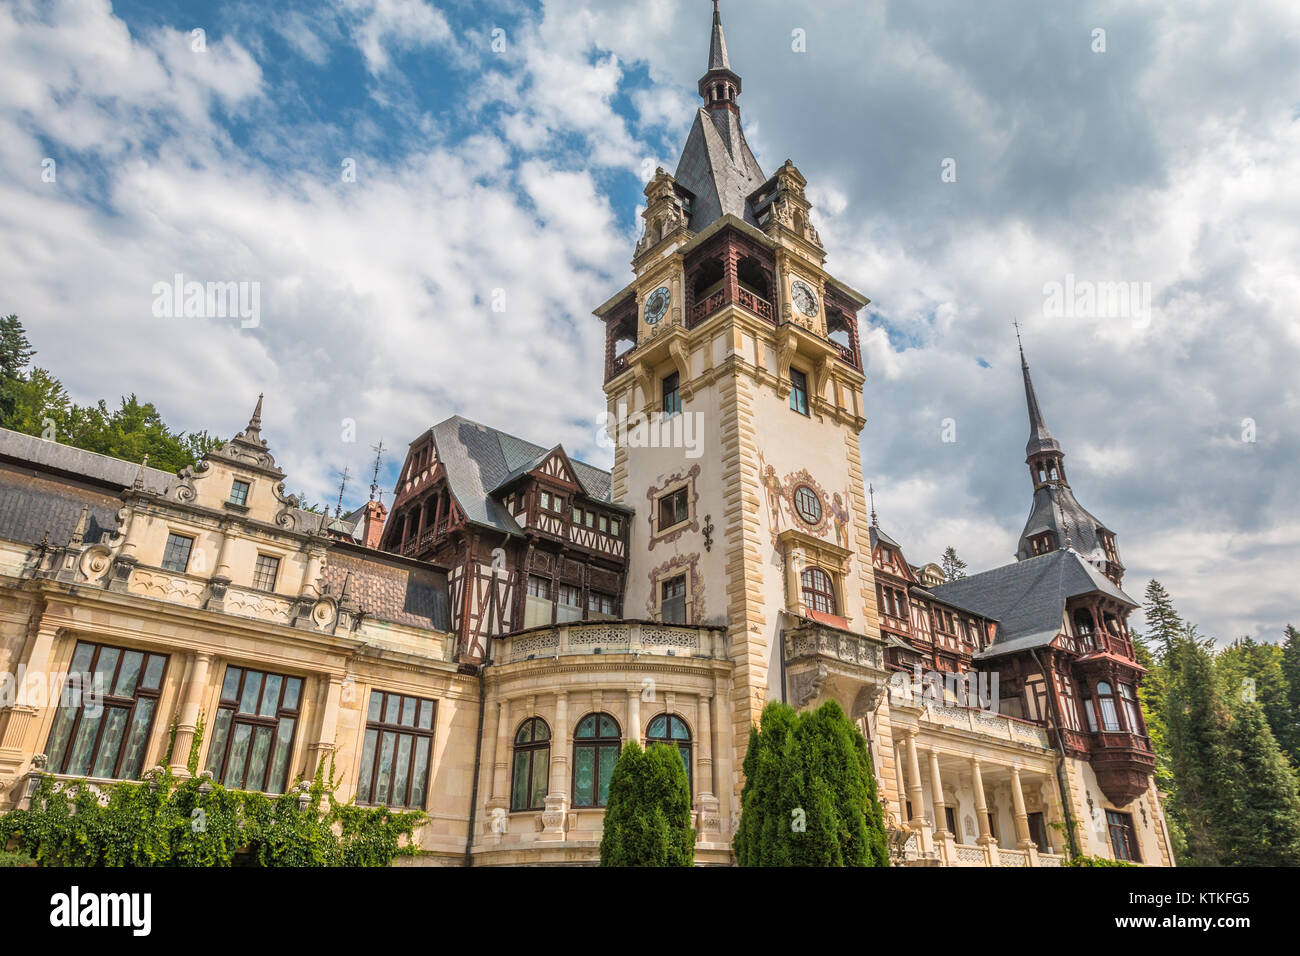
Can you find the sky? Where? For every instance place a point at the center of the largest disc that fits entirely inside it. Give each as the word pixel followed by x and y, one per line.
pixel 430 199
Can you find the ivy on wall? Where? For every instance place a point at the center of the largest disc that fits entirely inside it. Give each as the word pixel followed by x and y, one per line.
pixel 165 822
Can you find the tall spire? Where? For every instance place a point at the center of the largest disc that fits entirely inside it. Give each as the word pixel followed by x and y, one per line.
pixel 720 86
pixel 718 45
pixel 1040 439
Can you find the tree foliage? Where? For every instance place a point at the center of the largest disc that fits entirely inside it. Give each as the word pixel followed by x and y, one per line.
pixel 34 402
pixel 1233 797
pixel 810 794
pixel 953 566
pixel 648 815
pixel 191 823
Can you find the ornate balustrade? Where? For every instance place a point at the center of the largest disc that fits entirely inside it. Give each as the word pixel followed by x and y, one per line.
pixel 613 637
pixel 988 724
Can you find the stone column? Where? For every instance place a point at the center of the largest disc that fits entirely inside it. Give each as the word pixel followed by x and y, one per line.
pixel 1025 842
pixel 188 718
pixel 634 716
pixel 982 811
pixel 557 800
pixel 323 748
pixel 936 794
pixel 17 719
pixel 501 769
pixel 916 793
pixel 706 804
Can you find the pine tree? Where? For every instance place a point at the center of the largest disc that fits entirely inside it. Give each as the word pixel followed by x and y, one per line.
pixel 1196 719
pixel 648 815
pixel 953 566
pixel 1257 816
pixel 810 794
pixel 15 350
pixel 1289 739
pixel 1254 669
pixel 1163 622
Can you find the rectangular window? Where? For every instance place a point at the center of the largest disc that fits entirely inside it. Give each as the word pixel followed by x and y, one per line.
pixel 600 606
pixel 569 604
pixel 604 524
pixel 106 711
pixel 1131 710
pixel 396 755
pixel 673 606
pixel 1123 841
pixel 950 820
pixel 672 395
pixel 673 509
pixel 538 609
pixel 798 391
pixel 176 556
pixel 577 515
pixel 265 572
pixel 239 492
pixel 252 733
pixel 546 500
pixel 613 526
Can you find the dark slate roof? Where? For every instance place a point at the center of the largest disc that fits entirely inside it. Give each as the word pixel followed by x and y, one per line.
pixel 52 456
pixel 718 167
pixel 390 590
pixel 1056 509
pixel 479 459
pixel 1028 598
pixel 114 473
pixel 33 506
pixel 879 537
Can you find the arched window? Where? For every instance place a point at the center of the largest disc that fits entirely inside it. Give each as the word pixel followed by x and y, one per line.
pixel 672 730
pixel 1109 715
pixel 532 765
pixel 818 591
pixel 595 751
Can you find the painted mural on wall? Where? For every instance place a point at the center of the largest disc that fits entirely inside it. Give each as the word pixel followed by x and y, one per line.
pixel 796 500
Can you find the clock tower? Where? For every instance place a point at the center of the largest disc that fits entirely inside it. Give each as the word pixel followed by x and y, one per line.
pixel 734 388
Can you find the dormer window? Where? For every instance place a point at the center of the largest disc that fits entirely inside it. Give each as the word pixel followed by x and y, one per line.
pixel 239 492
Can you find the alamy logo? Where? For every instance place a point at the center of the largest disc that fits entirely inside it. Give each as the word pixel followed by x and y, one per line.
pixel 180 299
pixel 972 690
pixel 76 909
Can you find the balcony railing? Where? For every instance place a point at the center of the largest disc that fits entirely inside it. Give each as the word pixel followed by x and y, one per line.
pixel 613 637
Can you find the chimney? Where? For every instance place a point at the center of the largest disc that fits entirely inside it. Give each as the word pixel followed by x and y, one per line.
pixel 372 523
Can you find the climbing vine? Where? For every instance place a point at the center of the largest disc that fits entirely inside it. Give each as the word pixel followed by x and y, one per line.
pixel 163 821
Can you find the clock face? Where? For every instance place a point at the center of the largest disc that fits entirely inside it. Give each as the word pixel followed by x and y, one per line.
pixel 805 297
pixel 657 304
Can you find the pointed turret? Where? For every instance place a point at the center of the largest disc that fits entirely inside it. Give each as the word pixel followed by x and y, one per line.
pixel 717 165
pixel 1057 520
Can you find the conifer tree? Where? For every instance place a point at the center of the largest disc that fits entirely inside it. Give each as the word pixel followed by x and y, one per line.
pixel 1257 813
pixel 810 794
pixel 1195 716
pixel 953 566
pixel 1289 740
pixel 648 815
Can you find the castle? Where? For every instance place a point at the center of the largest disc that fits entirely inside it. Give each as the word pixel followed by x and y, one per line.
pixel 482 649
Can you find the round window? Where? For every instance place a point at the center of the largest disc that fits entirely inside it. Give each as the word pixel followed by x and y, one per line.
pixel 808 504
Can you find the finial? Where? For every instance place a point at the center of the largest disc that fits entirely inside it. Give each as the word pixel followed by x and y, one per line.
pixel 256 420
pixel 374 478
pixel 1019 344
pixel 345 476
pixel 139 474
pixel 871 490
pixel 79 533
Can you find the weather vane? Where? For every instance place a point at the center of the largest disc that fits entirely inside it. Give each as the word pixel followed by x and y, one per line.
pixel 344 476
pixel 374 478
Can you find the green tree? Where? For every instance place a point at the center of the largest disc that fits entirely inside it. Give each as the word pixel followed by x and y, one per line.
pixel 1289 739
pixel 15 350
pixel 1164 625
pixel 1195 716
pixel 953 566
pixel 810 794
pixel 648 815
pixel 1252 669
pixel 1257 818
